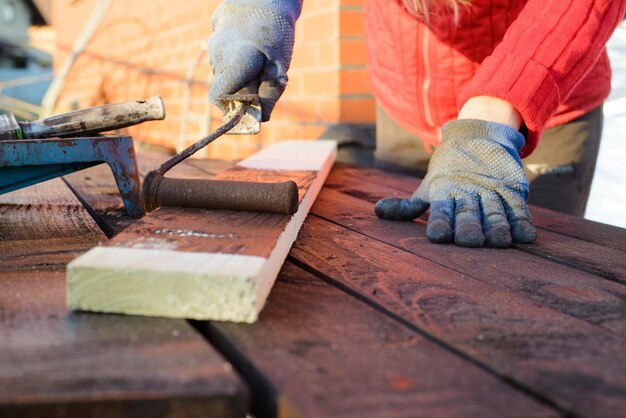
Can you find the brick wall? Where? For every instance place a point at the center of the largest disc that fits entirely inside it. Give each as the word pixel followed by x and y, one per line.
pixel 144 48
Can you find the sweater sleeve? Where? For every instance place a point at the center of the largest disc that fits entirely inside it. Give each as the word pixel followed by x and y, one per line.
pixel 547 50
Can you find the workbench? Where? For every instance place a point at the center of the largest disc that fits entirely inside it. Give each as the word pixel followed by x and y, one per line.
pixel 367 318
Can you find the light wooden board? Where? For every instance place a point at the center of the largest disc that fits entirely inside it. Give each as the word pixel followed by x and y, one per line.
pixel 203 264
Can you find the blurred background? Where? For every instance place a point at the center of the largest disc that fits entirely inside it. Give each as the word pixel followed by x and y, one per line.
pixel 132 49
pixel 61 55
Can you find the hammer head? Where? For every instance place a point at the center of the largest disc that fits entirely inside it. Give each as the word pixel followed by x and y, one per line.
pixel 250 123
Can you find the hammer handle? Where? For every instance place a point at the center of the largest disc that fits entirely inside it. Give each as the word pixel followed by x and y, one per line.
pixel 96 119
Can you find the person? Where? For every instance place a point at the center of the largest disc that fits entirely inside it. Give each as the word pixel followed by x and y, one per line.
pixel 478 81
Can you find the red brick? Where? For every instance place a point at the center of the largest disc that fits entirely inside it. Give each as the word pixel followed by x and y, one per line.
pixel 327 53
pixel 318 27
pixel 355 81
pixel 321 83
pixel 352 52
pixel 166 39
pixel 358 110
pixel 351 22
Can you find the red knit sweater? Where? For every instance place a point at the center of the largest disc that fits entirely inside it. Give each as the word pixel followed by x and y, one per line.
pixel 545 57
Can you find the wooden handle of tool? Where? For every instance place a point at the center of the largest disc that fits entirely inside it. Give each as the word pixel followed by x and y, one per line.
pixel 229 195
pixel 96 119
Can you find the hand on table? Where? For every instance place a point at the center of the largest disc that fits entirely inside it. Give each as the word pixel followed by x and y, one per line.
pixel 475 186
pixel 252 39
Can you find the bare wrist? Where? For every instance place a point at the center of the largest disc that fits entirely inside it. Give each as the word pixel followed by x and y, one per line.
pixel 491 109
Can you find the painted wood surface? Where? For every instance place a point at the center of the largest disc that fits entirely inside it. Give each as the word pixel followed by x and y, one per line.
pixel 317 352
pixel 203 264
pixel 97 191
pixel 563 288
pixel 588 246
pixel 549 354
pixel 352 179
pixel 57 363
pixel 556 340
pixel 505 323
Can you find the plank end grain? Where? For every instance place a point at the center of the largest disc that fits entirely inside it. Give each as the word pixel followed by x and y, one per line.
pixel 166 283
pixel 203 264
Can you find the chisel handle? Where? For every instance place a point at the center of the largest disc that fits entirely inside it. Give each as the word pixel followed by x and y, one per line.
pixel 91 121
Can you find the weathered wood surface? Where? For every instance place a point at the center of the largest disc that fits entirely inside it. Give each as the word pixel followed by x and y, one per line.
pixel 317 352
pixel 203 264
pixel 96 188
pixel 592 247
pixel 43 226
pixel 568 290
pixel 548 353
pixel 56 363
pixel 554 330
pixel 358 180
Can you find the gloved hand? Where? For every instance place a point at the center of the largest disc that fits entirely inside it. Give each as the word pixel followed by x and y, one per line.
pixel 475 186
pixel 252 38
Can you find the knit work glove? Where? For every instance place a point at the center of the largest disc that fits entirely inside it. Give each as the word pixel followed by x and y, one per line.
pixel 252 38
pixel 475 186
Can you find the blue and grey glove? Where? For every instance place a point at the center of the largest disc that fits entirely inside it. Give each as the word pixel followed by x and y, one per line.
pixel 252 39
pixel 475 186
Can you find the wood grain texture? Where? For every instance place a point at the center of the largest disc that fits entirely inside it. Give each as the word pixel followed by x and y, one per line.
pixel 137 282
pixel 57 363
pixel 575 242
pixel 603 261
pixel 434 303
pixel 572 364
pixel 43 226
pixel 98 192
pixel 350 178
pixel 568 290
pixel 323 353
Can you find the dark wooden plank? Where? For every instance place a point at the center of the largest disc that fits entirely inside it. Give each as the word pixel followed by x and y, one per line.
pixel 203 230
pixel 276 329
pixel 568 290
pixel 351 179
pixel 602 259
pixel 575 365
pixel 576 227
pixel 56 363
pixel 43 226
pixel 53 363
pixel 148 161
pixel 317 352
pixel 211 167
pixel 96 188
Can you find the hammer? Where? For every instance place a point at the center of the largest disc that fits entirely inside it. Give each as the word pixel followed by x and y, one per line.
pixel 83 122
pixel 242 115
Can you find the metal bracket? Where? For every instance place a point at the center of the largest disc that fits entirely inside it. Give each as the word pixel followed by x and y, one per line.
pixel 27 162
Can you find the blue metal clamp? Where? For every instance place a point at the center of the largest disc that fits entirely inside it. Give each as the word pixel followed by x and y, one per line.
pixel 27 162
